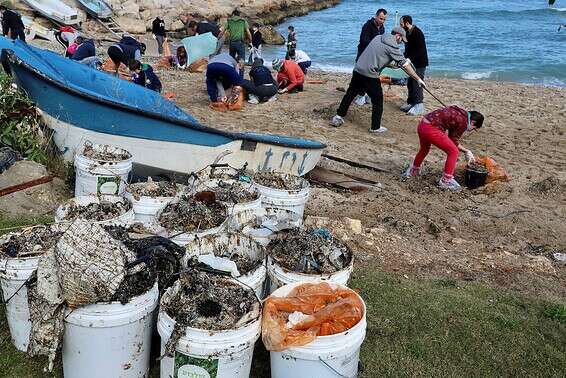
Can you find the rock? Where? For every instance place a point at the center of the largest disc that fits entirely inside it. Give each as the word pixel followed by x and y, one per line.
pixel 129 9
pixel 177 26
pixel 271 36
pixel 131 25
pixel 34 201
pixel 433 228
pixel 458 241
pixel 354 225
pixel 540 264
pixel 317 222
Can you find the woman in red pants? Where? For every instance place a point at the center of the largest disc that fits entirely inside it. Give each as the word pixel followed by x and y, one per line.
pixel 443 128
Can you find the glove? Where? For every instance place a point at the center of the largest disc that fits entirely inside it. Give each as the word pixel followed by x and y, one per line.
pixel 421 83
pixel 281 91
pixel 153 36
pixel 470 157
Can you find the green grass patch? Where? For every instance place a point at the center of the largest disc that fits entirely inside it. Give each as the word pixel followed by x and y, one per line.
pixel 14 224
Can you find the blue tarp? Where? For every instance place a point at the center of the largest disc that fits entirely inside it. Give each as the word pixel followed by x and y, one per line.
pixel 200 46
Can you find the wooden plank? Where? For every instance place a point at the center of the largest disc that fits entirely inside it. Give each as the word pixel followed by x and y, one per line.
pixel 339 180
pixel 25 185
pixel 355 163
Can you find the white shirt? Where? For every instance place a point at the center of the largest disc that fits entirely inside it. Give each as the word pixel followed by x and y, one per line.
pixel 301 56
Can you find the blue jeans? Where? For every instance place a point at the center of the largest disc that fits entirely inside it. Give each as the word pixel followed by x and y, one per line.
pixel 220 72
pixel 238 50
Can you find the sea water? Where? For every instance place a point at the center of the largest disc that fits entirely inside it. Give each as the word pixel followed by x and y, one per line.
pixel 473 39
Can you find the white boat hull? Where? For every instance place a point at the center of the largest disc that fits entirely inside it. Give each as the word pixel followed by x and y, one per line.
pixel 55 10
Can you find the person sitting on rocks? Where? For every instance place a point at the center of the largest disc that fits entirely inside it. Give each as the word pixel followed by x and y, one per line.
pixel 143 75
pixel 290 77
pixel 443 128
pixel 262 87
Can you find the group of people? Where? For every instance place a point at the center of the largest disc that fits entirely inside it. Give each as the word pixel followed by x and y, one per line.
pixel 442 128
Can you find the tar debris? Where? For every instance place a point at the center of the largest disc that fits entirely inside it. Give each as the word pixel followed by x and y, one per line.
pixel 104 152
pixel 153 189
pixel 195 213
pixel 97 211
pixel 283 181
pixel 30 242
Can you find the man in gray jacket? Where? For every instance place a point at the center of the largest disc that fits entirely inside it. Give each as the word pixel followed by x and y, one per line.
pixel 382 51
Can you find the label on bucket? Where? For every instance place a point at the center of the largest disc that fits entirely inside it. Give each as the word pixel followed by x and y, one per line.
pixel 107 184
pixel 191 367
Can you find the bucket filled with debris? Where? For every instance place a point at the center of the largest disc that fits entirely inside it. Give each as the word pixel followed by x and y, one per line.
pixel 242 199
pixel 93 298
pixel 19 256
pixel 270 222
pixel 314 330
pixel 282 191
pixel 208 326
pixel 101 169
pixel 234 255
pixel 306 254
pixel 191 216
pixel 148 198
pixel 104 209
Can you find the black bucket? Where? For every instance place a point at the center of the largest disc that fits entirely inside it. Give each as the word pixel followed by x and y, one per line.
pixel 475 178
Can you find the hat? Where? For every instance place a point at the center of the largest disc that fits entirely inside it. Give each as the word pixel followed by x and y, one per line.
pixel 257 62
pixel 277 64
pixel 401 31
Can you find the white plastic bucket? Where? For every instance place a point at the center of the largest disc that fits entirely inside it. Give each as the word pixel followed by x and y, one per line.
pixel 279 276
pixel 122 220
pixel 94 177
pixel 233 242
pixel 228 353
pixel 261 235
pixel 110 339
pixel 291 200
pixel 325 357
pixel 13 274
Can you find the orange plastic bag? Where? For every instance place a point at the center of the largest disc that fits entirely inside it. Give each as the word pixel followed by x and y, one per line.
pixel 123 72
pixel 236 100
pixel 326 311
pixel 198 65
pixel 495 171
pixel 166 48
pixel 218 106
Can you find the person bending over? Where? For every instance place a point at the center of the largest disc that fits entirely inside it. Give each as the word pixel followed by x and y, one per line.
pixel 290 77
pixel 124 51
pixel 443 129
pixel 223 72
pixel 262 87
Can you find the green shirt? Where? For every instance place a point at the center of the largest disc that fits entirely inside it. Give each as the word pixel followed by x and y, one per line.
pixel 237 27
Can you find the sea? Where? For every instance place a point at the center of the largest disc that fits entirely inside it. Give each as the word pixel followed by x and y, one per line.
pixel 499 40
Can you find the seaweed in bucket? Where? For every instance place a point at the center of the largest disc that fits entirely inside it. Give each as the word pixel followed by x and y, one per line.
pixel 101 211
pixel 153 189
pixel 105 152
pixel 311 251
pixel 235 192
pixel 193 214
pixel 207 301
pixel 30 242
pixel 281 181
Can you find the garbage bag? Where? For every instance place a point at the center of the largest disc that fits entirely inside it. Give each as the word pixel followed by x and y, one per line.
pixel 200 46
pixel 328 311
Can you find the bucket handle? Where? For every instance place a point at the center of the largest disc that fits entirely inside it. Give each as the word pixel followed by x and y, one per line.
pixel 331 368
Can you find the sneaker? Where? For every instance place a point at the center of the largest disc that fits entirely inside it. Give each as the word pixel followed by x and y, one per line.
pixel 412 171
pixel 449 184
pixel 360 100
pixel 378 131
pixel 337 121
pixel 368 99
pixel 272 98
pixel 417 109
pixel 253 99
pixel 405 108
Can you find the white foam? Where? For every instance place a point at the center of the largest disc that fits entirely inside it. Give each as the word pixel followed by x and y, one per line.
pixel 476 75
pixel 333 68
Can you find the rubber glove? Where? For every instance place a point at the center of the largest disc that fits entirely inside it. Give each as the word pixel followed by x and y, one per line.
pixel 281 91
pixel 153 36
pixel 470 157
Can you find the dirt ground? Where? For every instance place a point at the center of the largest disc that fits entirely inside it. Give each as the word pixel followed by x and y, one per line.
pixel 504 233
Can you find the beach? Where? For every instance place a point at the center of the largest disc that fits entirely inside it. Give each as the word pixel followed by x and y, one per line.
pixel 503 233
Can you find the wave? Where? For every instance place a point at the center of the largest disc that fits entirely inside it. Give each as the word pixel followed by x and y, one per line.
pixel 476 75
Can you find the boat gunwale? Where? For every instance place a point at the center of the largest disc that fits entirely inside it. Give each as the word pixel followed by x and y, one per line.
pixel 259 138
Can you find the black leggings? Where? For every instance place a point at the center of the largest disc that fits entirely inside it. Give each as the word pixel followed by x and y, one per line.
pixel 117 56
pixel 263 92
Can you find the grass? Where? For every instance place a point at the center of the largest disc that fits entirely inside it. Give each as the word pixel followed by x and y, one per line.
pixel 416 327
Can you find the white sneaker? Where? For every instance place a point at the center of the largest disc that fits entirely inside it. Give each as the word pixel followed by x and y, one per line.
pixel 449 185
pixel 337 121
pixel 405 108
pixel 412 171
pixel 253 99
pixel 378 131
pixel 360 100
pixel 368 99
pixel 417 109
pixel 272 98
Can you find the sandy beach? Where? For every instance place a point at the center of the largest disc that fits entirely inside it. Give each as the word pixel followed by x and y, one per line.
pixel 504 233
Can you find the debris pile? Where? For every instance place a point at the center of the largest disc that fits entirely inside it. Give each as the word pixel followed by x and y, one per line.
pixel 30 242
pixel 235 192
pixel 477 167
pixel 97 211
pixel 194 213
pixel 207 301
pixel 104 152
pixel 153 189
pixel 282 181
pixel 310 251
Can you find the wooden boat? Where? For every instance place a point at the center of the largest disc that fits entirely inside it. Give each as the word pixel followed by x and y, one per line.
pixel 97 8
pixel 55 10
pixel 82 104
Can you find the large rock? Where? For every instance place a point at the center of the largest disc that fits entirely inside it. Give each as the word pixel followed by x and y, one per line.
pixel 34 201
pixel 132 25
pixel 271 36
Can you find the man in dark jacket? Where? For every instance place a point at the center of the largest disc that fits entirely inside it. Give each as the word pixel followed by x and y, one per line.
pixel 158 30
pixel 262 87
pixel 124 51
pixel 373 27
pixel 12 25
pixel 415 50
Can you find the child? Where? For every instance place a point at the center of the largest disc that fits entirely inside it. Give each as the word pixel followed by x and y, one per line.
pixel 144 76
